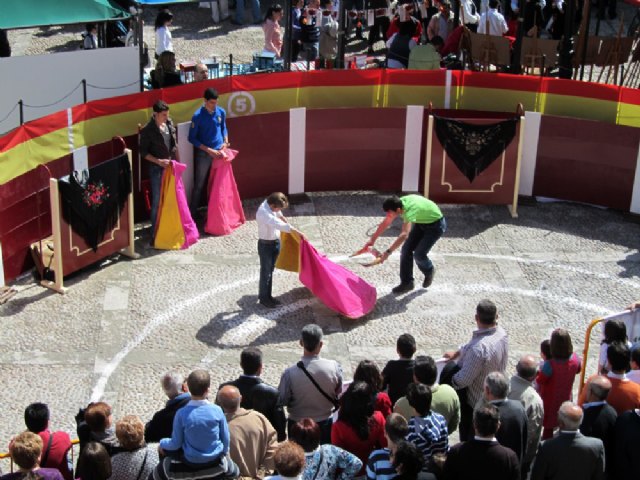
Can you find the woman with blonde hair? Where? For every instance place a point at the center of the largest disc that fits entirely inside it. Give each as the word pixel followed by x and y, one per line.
pixel 138 460
pixel 25 450
pixel 165 73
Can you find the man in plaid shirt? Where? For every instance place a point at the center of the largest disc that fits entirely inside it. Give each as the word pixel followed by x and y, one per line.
pixel 486 352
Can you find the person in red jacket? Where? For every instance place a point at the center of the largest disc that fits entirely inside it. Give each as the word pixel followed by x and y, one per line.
pixel 55 445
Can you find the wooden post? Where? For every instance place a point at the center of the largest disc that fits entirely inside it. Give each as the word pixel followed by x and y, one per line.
pixel 58 274
pixel 427 169
pixel 130 251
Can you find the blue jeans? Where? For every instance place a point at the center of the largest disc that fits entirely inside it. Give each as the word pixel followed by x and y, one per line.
pixel 416 247
pixel 155 179
pixel 310 51
pixel 201 165
pixel 255 6
pixel 268 251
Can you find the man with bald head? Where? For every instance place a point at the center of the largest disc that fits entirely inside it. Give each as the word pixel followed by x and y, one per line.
pixel 569 454
pixel 521 389
pixel 253 440
pixel 600 418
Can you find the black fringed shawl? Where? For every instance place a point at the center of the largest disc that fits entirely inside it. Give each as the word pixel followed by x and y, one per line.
pixel 474 147
pixel 93 199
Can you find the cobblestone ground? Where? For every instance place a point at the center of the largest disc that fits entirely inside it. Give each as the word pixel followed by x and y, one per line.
pixel 195 36
pixel 123 323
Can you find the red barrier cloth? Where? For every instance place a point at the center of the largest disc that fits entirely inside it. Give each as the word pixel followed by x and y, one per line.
pixel 338 288
pixel 224 213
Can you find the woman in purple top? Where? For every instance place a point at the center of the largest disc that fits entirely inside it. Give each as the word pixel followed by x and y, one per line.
pixel 25 450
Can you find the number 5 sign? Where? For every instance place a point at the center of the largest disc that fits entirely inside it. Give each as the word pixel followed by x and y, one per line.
pixel 241 103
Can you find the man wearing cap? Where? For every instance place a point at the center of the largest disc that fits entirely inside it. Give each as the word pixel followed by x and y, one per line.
pixel 423 224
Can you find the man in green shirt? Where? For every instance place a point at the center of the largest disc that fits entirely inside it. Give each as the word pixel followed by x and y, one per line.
pixel 423 225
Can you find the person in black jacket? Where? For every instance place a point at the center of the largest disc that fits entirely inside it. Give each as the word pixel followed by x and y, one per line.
pixel 256 394
pixel 310 30
pixel 161 424
pixel 600 419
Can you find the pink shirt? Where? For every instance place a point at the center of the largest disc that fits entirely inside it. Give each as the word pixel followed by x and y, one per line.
pixel 272 36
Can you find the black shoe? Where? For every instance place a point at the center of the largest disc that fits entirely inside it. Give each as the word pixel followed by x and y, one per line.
pixel 403 288
pixel 275 301
pixel 428 278
pixel 269 303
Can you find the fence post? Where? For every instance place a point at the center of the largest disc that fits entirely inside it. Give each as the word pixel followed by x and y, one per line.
pixel 84 90
pixel 21 105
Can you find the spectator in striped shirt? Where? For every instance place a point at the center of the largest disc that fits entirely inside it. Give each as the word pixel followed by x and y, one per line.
pixel 486 352
pixel 379 465
pixel 427 430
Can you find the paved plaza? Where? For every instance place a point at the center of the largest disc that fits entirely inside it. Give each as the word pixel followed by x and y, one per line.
pixel 124 322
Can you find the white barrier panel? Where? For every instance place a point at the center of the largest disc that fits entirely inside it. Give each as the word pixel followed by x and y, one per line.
pixel 529 152
pixel 53 82
pixel 297 145
pixel 635 195
pixel 186 156
pixel 412 143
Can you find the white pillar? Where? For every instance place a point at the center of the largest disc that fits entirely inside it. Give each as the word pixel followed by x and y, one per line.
pixel 297 146
pixel 635 196
pixel 529 152
pixel 412 143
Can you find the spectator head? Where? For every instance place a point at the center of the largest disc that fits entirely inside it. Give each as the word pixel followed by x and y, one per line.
pixel 527 367
pixel 635 358
pixel 199 382
pixel 251 361
pixel 311 338
pixel 201 73
pixel 358 405
pixel 437 42
pixel 486 420
pixel 277 200
pixel 407 459
pixel 166 62
pixel 545 349
pixel 425 370
pixel 98 416
pixel 94 462
pixel 91 28
pixel 407 28
pixel 160 106
pixel 369 373
pixel 496 386
pixel 274 13
pixel 172 384
pixel 486 313
pixel 493 3
pixel 561 346
pixel 419 397
pixel 25 450
pixel 445 6
pixel 599 388
pixel 164 18
pixel 569 416
pixel 36 417
pixel 306 433
pixel 619 357
pixel 392 204
pixel 396 428
pixel 615 331
pixel 229 398
pixel 210 94
pixel 326 4
pixel 289 459
pixel 406 344
pixel 130 432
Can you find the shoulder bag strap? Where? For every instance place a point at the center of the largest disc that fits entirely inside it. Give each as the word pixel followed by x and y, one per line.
pixel 144 462
pixel 301 366
pixel 45 455
pixel 315 475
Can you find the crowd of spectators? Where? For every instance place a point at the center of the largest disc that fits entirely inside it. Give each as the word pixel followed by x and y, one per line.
pixel 394 424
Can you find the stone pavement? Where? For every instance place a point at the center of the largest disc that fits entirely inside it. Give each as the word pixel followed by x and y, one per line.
pixel 123 323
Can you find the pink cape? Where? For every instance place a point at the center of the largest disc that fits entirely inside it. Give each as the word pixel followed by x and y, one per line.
pixel 338 288
pixel 224 213
pixel 191 233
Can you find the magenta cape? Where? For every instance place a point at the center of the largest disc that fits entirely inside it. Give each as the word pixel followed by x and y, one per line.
pixel 224 212
pixel 338 288
pixel 175 229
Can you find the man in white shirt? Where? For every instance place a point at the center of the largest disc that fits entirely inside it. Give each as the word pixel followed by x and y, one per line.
pixel 496 22
pixel 270 223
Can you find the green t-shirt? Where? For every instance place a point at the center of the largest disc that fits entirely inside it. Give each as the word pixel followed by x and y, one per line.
pixel 417 209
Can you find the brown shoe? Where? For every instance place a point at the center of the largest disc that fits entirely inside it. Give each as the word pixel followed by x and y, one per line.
pixel 428 278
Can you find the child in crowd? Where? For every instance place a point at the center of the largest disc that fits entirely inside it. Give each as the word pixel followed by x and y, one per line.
pixel 200 438
pixel 368 372
pixel 556 378
pixel 310 30
pixel 272 30
pixel 296 30
pixel 398 374
pixel 614 331
pixel 328 34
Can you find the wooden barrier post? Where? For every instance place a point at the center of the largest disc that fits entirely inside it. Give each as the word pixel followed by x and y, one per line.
pixel 427 170
pixel 130 251
pixel 513 208
pixel 58 274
